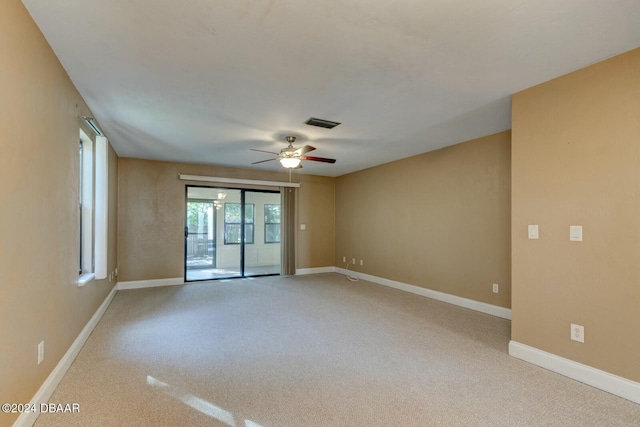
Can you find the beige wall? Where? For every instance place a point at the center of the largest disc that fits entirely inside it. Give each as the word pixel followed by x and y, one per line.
pixel 446 220
pixel 440 220
pixel 576 161
pixel 151 216
pixel 39 215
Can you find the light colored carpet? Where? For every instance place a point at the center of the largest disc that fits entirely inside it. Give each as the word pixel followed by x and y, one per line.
pixel 312 351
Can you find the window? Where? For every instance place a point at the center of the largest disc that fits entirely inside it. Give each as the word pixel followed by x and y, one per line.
pixel 92 207
pixel 86 205
pixel 232 223
pixel 272 223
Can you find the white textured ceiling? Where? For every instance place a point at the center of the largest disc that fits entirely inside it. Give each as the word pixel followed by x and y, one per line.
pixel 205 80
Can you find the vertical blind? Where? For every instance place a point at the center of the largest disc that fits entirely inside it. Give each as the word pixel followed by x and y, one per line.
pixel 288 231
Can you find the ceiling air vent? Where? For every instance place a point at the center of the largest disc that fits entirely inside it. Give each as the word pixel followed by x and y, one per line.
pixel 321 123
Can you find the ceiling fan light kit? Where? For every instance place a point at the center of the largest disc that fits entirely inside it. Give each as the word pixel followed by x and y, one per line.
pixel 290 162
pixel 291 157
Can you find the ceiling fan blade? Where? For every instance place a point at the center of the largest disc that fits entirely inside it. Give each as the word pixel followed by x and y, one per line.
pixel 262 151
pixel 302 150
pixel 262 161
pixel 318 159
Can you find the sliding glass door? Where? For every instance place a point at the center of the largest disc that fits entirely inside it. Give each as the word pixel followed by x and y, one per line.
pixel 231 233
pixel 262 256
pixel 205 258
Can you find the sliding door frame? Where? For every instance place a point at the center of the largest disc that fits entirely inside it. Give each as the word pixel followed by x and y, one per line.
pixel 243 192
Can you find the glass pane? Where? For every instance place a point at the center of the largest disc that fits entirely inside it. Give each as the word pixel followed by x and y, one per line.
pixel 248 212
pixel 200 234
pixel 272 233
pixel 272 213
pixel 232 212
pixel 206 257
pixel 232 234
pixel 262 257
pixel 248 233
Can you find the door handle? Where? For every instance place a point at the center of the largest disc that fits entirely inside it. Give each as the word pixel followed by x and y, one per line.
pixel 186 232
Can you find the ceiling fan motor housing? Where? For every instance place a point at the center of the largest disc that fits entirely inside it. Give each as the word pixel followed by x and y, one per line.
pixel 288 152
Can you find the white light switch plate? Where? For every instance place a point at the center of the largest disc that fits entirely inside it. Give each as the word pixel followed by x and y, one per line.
pixel 533 232
pixel 575 233
pixel 303 226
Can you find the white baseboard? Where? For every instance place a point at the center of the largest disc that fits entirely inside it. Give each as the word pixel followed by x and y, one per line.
pixel 138 284
pixel 48 387
pixel 316 270
pixel 611 383
pixel 482 307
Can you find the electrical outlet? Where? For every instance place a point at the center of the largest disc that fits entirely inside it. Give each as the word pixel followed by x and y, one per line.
pixel 116 271
pixel 344 259
pixel 361 262
pixel 353 261
pixel 577 333
pixel 40 352
pixel 496 288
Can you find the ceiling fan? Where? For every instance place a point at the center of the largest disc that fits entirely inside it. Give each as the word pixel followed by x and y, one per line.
pixel 291 157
